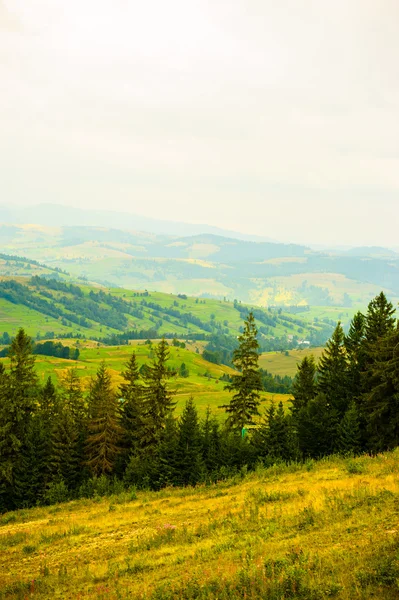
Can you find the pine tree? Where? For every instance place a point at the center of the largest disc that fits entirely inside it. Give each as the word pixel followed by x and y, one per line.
pixel 354 344
pixel 333 371
pixel 66 460
pixel 189 448
pixel 273 438
pixel 379 319
pixel 304 385
pixel 18 395
pixel 210 432
pixel 381 402
pixel 131 393
pixel 317 428
pixel 349 433
pixel 157 400
pixel 244 404
pixel 71 420
pixel 104 429
pixel 168 470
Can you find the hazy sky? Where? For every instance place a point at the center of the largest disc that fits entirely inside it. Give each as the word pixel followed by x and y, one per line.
pixel 275 118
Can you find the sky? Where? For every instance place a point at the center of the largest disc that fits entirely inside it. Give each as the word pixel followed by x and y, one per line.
pixel 279 119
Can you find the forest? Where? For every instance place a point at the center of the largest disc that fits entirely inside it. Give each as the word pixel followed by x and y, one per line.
pixel 66 442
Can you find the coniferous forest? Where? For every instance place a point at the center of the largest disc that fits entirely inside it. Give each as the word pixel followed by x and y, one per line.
pixel 59 443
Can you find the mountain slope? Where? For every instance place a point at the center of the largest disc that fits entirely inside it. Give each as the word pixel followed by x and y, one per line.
pixel 208 265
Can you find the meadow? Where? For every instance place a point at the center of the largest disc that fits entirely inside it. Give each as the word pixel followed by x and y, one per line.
pixel 314 531
pixel 285 363
pixel 203 383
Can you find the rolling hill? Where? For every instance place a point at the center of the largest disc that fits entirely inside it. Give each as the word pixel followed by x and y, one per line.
pixel 208 264
pixel 50 308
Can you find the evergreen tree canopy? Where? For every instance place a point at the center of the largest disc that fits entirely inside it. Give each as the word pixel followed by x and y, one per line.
pixel 304 385
pixel 105 431
pixel 248 383
pixel 332 372
pixel 157 400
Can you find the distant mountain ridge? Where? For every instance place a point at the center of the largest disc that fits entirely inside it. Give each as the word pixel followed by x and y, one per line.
pixel 54 215
pixel 202 264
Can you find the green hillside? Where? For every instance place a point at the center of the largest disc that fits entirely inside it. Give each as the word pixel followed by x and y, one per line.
pixel 260 273
pixel 49 307
pixel 204 381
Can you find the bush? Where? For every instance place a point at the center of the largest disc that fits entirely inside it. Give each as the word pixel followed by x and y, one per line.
pixel 56 492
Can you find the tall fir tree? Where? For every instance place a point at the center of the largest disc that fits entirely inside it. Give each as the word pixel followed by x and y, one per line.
pixel 246 385
pixel 380 320
pixel 304 384
pixel 104 429
pixel 381 402
pixel 131 394
pixel 189 460
pixel 332 371
pixel 18 397
pixel 354 344
pixel 317 428
pixel 157 400
pixel 210 434
pixel 167 467
pixel 349 432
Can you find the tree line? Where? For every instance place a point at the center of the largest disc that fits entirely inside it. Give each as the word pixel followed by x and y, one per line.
pixel 64 442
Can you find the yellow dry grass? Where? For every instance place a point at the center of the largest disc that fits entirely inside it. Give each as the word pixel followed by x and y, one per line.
pixel 328 524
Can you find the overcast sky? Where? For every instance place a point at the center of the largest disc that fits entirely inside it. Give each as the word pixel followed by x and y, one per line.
pixel 274 118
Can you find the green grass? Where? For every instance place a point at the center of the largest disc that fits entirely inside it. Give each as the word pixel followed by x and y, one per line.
pixel 216 316
pixel 281 363
pixel 206 390
pixel 283 533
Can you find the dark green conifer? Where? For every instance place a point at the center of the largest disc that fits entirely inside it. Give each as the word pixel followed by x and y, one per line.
pixel 246 385
pixel 157 400
pixel 349 433
pixel 18 398
pixel 104 429
pixel 304 385
pixel 332 372
pixel 131 394
pixel 381 402
pixel 189 447
pixel 168 469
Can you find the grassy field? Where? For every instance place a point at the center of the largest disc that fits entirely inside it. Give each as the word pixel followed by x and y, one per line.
pixel 42 309
pixel 203 382
pixel 280 363
pixel 311 532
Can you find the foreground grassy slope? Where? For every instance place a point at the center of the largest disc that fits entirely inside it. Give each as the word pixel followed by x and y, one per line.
pixel 317 531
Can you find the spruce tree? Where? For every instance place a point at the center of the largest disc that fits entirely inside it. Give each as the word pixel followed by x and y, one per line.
pixel 66 460
pixel 70 428
pixel 157 400
pixel 168 469
pixel 381 402
pixel 210 433
pixel 349 433
pixel 104 429
pixel 131 393
pixel 317 428
pixel 246 385
pixel 18 397
pixel 304 385
pixel 354 344
pixel 332 372
pixel 379 319
pixel 189 447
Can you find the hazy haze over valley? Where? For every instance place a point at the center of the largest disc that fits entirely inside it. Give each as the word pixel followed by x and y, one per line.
pixel 274 120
